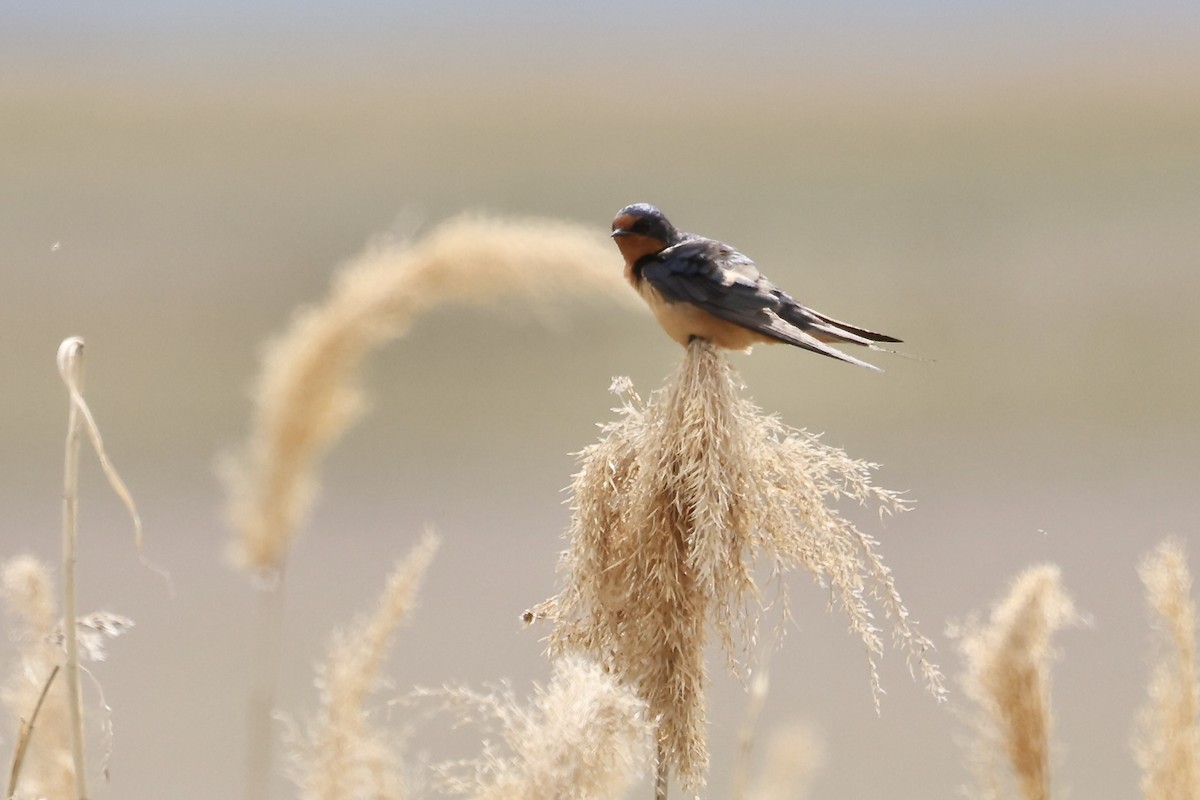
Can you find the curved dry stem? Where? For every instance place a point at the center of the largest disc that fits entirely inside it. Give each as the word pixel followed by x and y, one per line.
pixel 45 768
pixel 70 367
pixel 27 728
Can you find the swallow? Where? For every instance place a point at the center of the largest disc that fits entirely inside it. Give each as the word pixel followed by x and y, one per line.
pixel 700 288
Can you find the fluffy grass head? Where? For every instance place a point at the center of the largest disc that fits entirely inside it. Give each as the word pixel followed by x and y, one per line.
pixel 343 753
pixel 1167 745
pixel 1007 677
pixel 681 502
pixel 583 736
pixel 45 766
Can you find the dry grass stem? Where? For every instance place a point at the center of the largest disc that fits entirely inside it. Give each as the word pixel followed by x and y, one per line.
pixel 80 421
pixel 1008 679
pixel 682 499
pixel 44 768
pixel 1167 746
pixel 585 736
pixel 344 755
pixel 27 728
pixel 70 366
pixel 308 392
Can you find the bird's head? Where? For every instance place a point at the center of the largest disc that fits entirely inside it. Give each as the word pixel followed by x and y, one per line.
pixel 641 229
pixel 643 219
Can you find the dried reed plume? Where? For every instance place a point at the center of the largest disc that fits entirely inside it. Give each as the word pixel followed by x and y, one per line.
pixel 673 509
pixel 344 756
pixel 1167 746
pixel 1007 677
pixel 42 764
pixel 585 736
pixel 308 393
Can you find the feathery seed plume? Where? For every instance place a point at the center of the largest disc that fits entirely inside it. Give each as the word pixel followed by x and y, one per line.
pixel 585 736
pixel 308 392
pixel 1007 677
pixel 674 508
pixel 1167 745
pixel 44 768
pixel 344 755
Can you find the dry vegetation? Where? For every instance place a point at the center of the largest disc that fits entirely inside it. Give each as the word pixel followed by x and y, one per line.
pixel 49 758
pixel 308 393
pixel 1168 740
pixel 687 513
pixel 675 508
pixel 344 754
pixel 44 767
pixel 1007 677
pixel 585 735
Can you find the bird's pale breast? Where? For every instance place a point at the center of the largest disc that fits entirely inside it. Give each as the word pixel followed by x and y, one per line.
pixel 683 321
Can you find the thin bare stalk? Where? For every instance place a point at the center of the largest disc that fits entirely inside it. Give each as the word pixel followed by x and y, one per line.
pixel 662 773
pixel 26 734
pixel 260 752
pixel 70 364
pixel 741 767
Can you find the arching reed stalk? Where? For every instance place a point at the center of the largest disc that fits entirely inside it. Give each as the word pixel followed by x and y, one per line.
pixel 308 393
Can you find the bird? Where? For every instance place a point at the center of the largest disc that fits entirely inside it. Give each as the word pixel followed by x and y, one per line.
pixel 700 288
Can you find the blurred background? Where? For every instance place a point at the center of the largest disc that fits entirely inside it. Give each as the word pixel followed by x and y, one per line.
pixel 1014 189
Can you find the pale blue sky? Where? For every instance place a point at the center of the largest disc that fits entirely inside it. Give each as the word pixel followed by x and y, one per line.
pixel 187 35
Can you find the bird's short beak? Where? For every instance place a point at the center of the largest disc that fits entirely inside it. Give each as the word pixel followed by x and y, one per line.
pixel 620 232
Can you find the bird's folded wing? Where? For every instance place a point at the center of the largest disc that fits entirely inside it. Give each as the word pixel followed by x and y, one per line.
pixel 728 285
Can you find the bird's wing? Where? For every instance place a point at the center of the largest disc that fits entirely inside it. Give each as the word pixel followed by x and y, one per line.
pixel 718 279
pixel 711 275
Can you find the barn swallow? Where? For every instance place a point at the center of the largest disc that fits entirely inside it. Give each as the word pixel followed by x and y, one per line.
pixel 700 288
